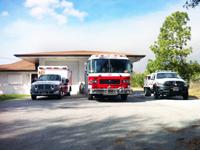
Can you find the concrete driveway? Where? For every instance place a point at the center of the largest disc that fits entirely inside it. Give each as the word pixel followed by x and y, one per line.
pixel 76 123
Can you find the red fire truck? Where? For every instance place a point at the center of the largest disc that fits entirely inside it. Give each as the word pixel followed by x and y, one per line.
pixel 108 75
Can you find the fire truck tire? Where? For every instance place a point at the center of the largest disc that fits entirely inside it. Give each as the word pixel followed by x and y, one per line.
pixel 90 97
pixel 33 97
pixel 124 97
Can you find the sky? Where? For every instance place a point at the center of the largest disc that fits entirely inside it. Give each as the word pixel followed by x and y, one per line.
pixel 28 26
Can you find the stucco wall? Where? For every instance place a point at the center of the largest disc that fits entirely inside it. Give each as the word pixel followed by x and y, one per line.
pixel 15 82
pixel 20 82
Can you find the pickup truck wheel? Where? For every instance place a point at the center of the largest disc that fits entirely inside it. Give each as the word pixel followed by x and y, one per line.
pixel 33 97
pixel 124 97
pixel 185 96
pixel 147 92
pixel 156 94
pixel 90 97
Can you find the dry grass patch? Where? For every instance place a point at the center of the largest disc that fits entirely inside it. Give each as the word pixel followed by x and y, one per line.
pixel 195 89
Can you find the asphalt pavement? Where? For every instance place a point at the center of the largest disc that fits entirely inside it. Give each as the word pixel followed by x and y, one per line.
pixel 76 123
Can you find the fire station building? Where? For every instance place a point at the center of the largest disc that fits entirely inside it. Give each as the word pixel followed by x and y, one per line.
pixel 16 78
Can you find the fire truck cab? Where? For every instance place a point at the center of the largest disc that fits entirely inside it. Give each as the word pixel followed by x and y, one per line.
pixel 108 75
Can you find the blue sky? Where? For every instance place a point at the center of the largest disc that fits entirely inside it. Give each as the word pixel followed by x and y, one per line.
pixel 53 25
pixel 98 10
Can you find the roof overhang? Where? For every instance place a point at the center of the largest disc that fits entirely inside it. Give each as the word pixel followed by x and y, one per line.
pixel 34 57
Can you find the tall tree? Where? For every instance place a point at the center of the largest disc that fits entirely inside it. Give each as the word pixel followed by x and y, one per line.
pixel 171 48
pixel 191 3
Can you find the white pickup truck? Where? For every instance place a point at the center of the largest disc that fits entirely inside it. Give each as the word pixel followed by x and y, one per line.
pixel 165 83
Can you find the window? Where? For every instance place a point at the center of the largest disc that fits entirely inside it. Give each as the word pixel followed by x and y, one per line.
pixel 110 66
pixel 166 75
pixel 50 77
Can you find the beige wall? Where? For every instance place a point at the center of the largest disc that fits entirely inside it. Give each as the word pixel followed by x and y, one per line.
pixel 15 82
pixel 20 82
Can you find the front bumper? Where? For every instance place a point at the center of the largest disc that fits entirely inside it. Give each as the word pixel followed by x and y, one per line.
pixel 110 91
pixel 45 93
pixel 172 91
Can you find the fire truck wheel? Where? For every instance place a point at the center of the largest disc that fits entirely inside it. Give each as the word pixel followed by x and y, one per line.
pixel 33 97
pixel 124 97
pixel 90 97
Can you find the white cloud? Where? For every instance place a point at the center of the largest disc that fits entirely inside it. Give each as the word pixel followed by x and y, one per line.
pixel 4 14
pixel 59 10
pixel 133 35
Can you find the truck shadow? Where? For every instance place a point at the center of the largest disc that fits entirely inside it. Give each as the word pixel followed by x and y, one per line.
pixel 138 96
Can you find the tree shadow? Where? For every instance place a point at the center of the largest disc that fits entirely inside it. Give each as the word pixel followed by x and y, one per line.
pixel 110 133
pixel 42 103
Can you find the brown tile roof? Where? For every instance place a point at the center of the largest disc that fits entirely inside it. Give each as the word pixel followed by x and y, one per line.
pixel 76 53
pixel 21 65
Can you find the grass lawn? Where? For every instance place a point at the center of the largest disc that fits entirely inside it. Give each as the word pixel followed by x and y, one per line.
pixel 4 97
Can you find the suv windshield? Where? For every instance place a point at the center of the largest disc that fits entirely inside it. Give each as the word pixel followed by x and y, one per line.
pixel 166 75
pixel 49 78
pixel 110 66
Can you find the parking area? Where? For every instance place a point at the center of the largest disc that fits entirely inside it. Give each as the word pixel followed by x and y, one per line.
pixel 76 123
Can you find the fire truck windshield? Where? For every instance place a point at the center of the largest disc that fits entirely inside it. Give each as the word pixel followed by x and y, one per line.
pixel 110 66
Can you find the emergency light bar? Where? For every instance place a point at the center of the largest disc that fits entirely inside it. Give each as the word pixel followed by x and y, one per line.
pixel 111 56
pixel 53 67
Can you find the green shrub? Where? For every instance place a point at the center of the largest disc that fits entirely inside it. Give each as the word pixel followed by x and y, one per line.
pixel 137 80
pixel 4 97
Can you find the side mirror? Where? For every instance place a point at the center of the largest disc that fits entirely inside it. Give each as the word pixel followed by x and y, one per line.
pixel 65 81
pixel 34 80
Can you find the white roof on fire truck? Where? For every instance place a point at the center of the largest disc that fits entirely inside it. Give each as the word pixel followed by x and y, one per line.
pixel 108 56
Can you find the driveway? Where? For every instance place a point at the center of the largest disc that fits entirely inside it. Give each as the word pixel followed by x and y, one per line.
pixel 76 123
